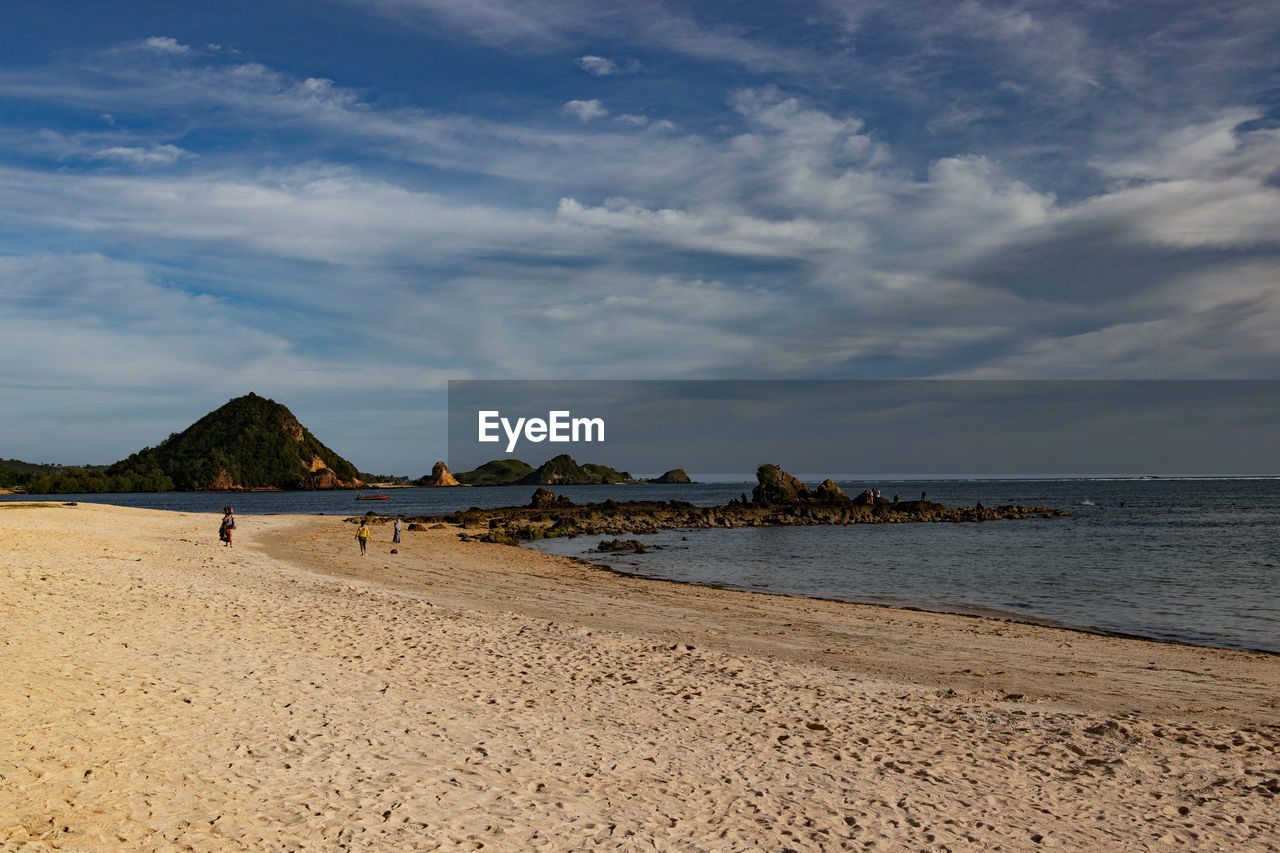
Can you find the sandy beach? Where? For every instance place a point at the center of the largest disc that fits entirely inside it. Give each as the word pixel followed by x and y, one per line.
pixel 161 692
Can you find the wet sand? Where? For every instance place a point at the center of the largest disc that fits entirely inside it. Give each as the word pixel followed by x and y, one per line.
pixel 161 692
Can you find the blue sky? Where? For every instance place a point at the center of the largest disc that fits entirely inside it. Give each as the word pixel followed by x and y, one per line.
pixel 342 204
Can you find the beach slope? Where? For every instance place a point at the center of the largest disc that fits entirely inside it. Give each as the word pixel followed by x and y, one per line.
pixel 159 691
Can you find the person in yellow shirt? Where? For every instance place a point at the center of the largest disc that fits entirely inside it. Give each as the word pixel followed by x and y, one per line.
pixel 362 534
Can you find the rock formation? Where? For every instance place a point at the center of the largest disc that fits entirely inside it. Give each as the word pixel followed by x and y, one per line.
pixel 828 492
pixel 775 487
pixel 545 498
pixel 779 500
pixel 440 476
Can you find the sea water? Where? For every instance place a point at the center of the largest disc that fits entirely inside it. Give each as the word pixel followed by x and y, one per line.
pixel 1186 560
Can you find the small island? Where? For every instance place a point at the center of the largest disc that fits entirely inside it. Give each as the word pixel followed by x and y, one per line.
pixel 560 470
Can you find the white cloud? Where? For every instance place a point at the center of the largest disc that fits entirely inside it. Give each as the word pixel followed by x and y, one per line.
pixel 547 25
pixel 789 206
pixel 598 65
pixel 154 155
pixel 1204 325
pixel 725 231
pixel 1204 185
pixel 1199 151
pixel 586 110
pixel 165 44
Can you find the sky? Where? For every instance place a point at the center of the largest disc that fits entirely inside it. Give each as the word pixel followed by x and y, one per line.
pixel 723 430
pixel 344 204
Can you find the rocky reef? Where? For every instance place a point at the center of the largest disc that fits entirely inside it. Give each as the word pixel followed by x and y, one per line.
pixel 778 500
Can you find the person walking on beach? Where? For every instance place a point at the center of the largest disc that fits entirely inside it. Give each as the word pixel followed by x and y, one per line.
pixel 395 531
pixel 362 534
pixel 228 525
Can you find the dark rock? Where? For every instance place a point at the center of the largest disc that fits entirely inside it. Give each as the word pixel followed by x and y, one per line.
pixel 542 498
pixel 828 492
pixel 776 487
pixel 620 545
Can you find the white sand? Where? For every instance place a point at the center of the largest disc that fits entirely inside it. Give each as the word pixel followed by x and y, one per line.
pixel 161 692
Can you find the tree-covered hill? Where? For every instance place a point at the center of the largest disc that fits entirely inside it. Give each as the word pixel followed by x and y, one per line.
pixel 561 470
pixel 498 472
pixel 250 443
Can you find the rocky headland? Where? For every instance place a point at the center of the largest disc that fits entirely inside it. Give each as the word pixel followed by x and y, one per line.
pixel 778 500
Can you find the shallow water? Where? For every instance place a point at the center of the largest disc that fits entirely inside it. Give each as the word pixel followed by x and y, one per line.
pixel 1187 560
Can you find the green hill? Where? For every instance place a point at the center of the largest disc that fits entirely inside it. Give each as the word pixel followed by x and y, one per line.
pixel 44 479
pixel 16 474
pixel 560 471
pixel 563 471
pixel 498 472
pixel 250 443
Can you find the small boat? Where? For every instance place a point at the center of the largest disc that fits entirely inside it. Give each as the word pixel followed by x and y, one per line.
pixel 377 497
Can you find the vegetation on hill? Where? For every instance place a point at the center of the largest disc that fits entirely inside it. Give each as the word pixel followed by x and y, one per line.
pixel 560 471
pixel 498 472
pixel 250 443
pixel 37 477
pixel 604 474
pixel 563 471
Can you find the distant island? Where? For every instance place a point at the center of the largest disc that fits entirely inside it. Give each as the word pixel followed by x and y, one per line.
pixel 561 470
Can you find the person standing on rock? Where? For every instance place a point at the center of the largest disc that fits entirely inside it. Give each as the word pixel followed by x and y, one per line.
pixel 228 525
pixel 362 534
pixel 395 531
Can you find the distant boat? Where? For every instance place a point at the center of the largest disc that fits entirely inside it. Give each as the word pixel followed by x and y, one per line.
pixel 377 497
pixel 1086 502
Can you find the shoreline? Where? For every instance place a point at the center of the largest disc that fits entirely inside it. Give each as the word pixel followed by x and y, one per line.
pixel 990 614
pixel 161 692
pixel 809 630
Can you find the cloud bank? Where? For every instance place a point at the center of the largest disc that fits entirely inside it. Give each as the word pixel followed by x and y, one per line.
pixel 1002 191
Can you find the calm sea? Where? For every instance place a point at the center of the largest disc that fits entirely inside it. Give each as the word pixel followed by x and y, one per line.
pixel 1187 560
